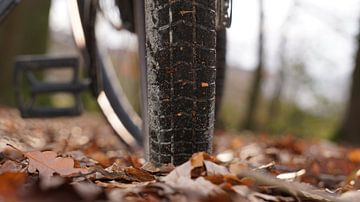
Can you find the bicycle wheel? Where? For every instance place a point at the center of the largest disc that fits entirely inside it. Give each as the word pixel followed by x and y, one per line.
pixel 105 81
pixel 181 60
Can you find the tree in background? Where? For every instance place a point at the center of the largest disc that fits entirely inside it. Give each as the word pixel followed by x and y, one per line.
pixel 24 31
pixel 275 101
pixel 258 75
pixel 350 128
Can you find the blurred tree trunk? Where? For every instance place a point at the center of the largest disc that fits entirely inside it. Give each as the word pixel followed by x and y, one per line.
pixel 258 75
pixel 276 99
pixel 350 129
pixel 275 103
pixel 24 31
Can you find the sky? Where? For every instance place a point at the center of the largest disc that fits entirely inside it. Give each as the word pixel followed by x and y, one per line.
pixel 311 21
pixel 321 32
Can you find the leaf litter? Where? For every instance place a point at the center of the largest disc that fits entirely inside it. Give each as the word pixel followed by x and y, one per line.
pixel 243 168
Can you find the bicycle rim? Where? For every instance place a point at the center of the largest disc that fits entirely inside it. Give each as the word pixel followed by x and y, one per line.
pixel 106 86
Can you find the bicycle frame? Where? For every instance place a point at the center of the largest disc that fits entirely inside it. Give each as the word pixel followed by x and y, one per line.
pixel 6 6
pixel 131 130
pixel 123 120
pixel 120 116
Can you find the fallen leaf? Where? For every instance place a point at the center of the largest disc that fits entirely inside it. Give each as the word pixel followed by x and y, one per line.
pixel 197 159
pixel 291 176
pixel 10 166
pixel 225 157
pixel 135 162
pixel 10 184
pixel 115 184
pixel 110 174
pixel 247 181
pixel 264 197
pixel 242 190
pixel 236 143
pixel 61 193
pixel 214 169
pixel 296 189
pixel 95 152
pixel 199 185
pixel 145 191
pixel 349 196
pixel 198 164
pixel 215 179
pixel 354 155
pixel 139 175
pixel 87 190
pixel 47 183
pixel 181 171
pixel 164 168
pixel 47 163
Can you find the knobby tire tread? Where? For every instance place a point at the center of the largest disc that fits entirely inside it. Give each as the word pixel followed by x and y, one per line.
pixel 181 62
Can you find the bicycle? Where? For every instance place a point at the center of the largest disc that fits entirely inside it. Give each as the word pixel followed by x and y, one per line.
pixel 177 47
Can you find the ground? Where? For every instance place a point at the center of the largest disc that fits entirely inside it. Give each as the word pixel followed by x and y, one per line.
pixel 81 159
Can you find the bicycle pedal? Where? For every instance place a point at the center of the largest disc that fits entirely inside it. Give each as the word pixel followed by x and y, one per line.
pixel 26 69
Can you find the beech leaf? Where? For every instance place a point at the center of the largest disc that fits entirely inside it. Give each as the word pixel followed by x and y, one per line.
pixel 47 163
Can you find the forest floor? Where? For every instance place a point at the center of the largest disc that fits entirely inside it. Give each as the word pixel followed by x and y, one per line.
pixel 81 159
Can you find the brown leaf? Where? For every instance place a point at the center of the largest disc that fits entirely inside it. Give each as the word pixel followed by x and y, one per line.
pixel 139 175
pixel 87 190
pixel 200 186
pixel 10 184
pixel 349 196
pixel 197 159
pixel 354 155
pixel 215 179
pixel 180 171
pixel 10 166
pixel 115 184
pixel 145 191
pixel 164 168
pixel 47 163
pixel 95 152
pixel 135 161
pixel 111 174
pixel 295 189
pixel 214 169
pixel 247 181
pixel 198 164
pixel 128 174
pixel 236 143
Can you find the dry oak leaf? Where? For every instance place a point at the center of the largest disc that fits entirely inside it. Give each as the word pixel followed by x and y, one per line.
pixel 139 175
pixel 354 155
pixel 197 159
pixel 10 166
pixel 47 163
pixel 10 184
pixel 164 168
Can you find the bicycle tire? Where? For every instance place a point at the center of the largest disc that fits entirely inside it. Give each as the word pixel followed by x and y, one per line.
pixel 105 84
pixel 181 62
